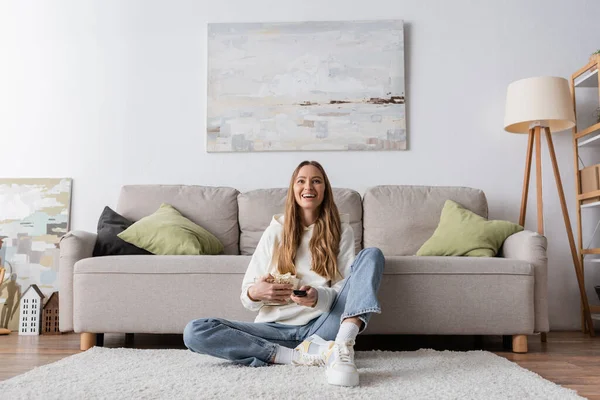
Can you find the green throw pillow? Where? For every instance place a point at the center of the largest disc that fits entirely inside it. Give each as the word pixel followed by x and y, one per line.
pixel 168 232
pixel 464 233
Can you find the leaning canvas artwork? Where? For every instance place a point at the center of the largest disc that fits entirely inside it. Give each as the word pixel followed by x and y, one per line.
pixel 34 214
pixel 306 86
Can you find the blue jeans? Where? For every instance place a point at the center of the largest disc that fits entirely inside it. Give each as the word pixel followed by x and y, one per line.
pixel 255 344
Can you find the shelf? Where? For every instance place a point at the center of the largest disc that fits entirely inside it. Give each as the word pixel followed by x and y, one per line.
pixel 594 141
pixel 587 131
pixel 590 251
pixel 588 195
pixel 590 205
pixel 587 79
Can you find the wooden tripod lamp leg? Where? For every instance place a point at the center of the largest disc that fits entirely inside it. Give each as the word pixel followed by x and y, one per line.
pixel 563 205
pixel 526 179
pixel 538 180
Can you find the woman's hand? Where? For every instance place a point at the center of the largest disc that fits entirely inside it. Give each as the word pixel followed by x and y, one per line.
pixel 265 290
pixel 310 300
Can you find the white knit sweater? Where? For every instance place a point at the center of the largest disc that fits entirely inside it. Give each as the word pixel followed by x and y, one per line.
pixel 261 264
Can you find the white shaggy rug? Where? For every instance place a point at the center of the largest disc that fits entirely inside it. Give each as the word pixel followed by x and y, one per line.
pixel 104 373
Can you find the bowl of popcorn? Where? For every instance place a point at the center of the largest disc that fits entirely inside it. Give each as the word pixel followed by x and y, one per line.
pixel 286 278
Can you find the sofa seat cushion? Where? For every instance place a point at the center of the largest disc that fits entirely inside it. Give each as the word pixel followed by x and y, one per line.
pixel 418 295
pixel 442 265
pixel 156 294
pixel 395 265
pixel 455 296
pixel 166 265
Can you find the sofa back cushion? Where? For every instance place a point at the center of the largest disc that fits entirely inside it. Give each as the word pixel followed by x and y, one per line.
pixel 213 208
pixel 399 219
pixel 257 208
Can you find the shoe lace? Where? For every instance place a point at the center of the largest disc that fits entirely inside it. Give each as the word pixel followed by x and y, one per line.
pixel 343 352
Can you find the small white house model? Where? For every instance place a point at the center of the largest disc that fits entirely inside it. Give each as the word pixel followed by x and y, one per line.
pixel 31 311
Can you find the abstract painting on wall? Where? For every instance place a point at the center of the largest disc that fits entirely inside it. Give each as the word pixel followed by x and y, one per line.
pixel 34 214
pixel 306 86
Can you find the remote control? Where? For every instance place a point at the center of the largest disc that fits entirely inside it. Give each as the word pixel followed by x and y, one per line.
pixel 299 293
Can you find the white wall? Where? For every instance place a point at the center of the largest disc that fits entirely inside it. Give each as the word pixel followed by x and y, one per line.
pixel 114 92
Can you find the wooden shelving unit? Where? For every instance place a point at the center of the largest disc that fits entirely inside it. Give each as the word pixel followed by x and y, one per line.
pixel 586 77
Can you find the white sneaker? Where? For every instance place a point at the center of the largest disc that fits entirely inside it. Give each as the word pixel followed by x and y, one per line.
pixel 339 360
pixel 311 351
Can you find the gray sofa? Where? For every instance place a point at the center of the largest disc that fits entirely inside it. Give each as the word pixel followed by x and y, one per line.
pixel 505 295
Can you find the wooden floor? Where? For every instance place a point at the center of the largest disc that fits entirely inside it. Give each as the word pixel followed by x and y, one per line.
pixel 570 359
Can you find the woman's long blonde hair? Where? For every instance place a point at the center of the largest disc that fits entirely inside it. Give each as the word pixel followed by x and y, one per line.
pixel 325 241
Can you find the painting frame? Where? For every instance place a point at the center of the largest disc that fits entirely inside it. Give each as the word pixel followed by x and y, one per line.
pixel 34 214
pixel 339 87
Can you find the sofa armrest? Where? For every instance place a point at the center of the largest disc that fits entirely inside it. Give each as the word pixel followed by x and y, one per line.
pixel 74 246
pixel 531 247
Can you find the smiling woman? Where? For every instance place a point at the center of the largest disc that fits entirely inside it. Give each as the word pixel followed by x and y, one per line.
pixel 313 244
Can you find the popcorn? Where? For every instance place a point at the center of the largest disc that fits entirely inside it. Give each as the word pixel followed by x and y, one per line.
pixel 283 279
pixel 286 278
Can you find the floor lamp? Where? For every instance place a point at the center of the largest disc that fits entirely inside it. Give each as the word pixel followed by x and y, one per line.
pixel 544 104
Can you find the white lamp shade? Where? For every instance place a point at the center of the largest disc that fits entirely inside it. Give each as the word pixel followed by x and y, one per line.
pixel 544 99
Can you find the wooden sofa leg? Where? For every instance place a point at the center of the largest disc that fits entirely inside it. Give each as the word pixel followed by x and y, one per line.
pixel 87 341
pixel 519 343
